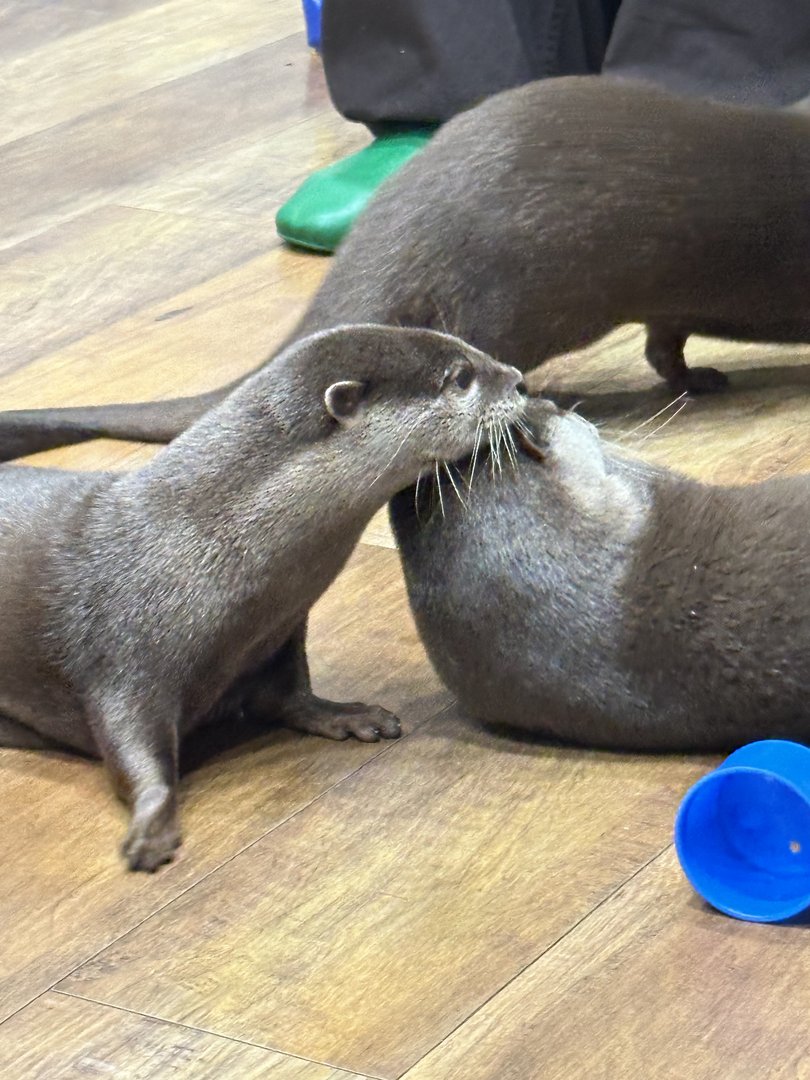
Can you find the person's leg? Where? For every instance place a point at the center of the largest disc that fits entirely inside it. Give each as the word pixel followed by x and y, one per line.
pixel 402 67
pixel 746 51
pixel 419 61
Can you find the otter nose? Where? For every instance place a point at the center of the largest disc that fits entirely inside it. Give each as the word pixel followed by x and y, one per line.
pixel 516 378
pixel 522 388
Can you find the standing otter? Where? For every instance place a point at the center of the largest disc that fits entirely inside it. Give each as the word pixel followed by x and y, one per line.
pixel 603 601
pixel 138 607
pixel 537 222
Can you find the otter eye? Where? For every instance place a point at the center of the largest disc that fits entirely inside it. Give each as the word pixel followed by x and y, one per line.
pixel 459 376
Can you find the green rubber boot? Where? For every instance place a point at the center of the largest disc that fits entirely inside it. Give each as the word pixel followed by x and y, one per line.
pixel 326 205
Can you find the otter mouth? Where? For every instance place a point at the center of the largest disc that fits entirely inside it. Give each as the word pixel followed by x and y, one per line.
pixel 516 437
pixel 527 441
pixel 506 442
pixel 500 442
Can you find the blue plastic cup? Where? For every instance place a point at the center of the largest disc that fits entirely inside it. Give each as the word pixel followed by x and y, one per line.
pixel 743 833
pixel 312 19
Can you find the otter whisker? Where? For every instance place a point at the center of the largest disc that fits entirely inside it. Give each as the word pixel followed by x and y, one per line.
pixel 453 482
pixel 498 460
pixel 479 431
pixel 513 442
pixel 668 420
pixel 577 419
pixel 416 495
pixel 525 432
pixel 509 443
pixel 655 416
pixel 499 429
pixel 439 487
pixel 395 454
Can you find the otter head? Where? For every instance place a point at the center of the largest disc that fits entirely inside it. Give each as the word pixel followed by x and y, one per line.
pixel 558 438
pixel 580 472
pixel 395 400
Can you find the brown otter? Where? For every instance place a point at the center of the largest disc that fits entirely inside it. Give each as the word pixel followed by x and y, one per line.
pixel 547 216
pixel 590 597
pixel 139 607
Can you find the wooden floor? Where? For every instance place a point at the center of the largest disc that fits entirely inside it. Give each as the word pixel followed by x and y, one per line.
pixel 455 906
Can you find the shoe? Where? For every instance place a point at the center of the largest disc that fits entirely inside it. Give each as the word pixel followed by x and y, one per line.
pixel 327 204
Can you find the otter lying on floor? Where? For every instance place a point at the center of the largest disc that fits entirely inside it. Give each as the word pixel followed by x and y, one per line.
pixel 137 607
pixel 597 599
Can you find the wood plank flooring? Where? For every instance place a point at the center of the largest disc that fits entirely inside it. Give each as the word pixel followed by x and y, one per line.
pixel 455 906
pixel 64 1037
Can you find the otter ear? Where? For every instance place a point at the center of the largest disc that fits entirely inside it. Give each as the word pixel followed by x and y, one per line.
pixel 344 400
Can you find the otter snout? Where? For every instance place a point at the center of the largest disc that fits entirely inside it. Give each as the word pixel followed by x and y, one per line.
pixel 509 394
pixel 513 379
pixel 518 383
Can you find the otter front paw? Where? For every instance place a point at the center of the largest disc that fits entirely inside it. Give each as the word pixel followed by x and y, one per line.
pixel 147 850
pixel 368 723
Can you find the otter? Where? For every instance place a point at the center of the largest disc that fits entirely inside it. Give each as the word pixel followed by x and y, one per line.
pixel 589 597
pixel 137 607
pixel 542 219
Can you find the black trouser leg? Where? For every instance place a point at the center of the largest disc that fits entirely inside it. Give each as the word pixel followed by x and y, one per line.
pixel 422 61
pixel 748 51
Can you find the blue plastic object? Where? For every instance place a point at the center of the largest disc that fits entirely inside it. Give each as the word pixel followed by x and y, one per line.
pixel 312 16
pixel 743 833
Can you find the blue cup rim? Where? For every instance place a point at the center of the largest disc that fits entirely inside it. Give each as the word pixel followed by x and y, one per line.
pixel 791 909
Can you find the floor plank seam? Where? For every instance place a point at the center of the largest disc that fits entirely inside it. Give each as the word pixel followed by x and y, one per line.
pixel 274 240
pixel 386 749
pixel 552 945
pixel 114 198
pixel 378 545
pixel 239 262
pixel 113 18
pixel 158 85
pixel 234 218
pixel 229 60
pixel 155 86
pixel 215 1034
pixel 36 232
pixel 25 1004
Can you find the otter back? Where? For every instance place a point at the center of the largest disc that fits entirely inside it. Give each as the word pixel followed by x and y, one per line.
pixel 537 222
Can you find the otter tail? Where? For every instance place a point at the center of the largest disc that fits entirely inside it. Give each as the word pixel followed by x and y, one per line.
pixel 28 431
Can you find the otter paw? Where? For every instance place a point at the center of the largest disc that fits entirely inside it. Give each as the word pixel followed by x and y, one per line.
pixel 147 851
pixel 704 380
pixel 368 723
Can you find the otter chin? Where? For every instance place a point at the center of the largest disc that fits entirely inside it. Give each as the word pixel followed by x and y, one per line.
pixel 585 595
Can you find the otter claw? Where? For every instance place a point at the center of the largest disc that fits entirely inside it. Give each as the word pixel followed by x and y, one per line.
pixel 149 853
pixel 368 723
pixel 704 380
